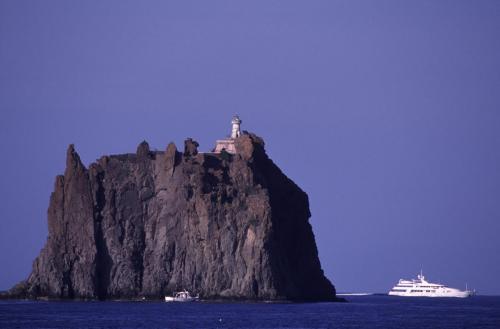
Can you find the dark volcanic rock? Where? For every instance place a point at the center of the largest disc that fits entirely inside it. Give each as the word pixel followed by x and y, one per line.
pixel 190 147
pixel 150 223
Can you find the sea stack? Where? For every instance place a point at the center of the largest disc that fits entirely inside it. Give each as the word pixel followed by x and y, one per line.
pixel 226 224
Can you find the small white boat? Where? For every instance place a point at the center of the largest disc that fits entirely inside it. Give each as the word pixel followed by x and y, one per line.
pixel 181 296
pixel 422 288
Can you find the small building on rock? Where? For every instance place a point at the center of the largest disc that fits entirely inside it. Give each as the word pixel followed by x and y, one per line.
pixel 228 143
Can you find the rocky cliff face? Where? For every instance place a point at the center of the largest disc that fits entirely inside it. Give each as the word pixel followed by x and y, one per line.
pixel 150 223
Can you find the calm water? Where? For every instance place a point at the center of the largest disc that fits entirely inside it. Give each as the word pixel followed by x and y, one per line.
pixel 360 312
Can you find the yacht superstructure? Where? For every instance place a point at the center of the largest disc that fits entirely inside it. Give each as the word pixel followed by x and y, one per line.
pixel 422 288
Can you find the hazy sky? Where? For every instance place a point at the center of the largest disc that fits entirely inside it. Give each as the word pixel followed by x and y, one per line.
pixel 387 113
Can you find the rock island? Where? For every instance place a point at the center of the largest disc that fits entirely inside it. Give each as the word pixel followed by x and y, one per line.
pixel 226 224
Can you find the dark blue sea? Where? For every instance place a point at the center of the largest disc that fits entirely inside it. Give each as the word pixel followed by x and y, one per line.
pixel 359 312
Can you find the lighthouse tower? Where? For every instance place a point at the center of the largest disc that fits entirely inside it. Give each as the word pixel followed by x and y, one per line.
pixel 228 143
pixel 235 131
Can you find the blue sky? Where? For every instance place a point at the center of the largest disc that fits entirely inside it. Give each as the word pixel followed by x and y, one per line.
pixel 387 113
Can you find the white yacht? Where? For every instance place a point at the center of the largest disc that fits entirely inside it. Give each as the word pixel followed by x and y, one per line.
pixel 181 296
pixel 422 288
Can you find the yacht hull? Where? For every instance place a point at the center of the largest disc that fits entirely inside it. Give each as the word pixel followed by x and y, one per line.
pixel 462 294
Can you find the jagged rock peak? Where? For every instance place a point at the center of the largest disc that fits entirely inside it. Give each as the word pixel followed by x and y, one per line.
pixel 171 150
pixel 248 144
pixel 143 150
pixel 73 161
pixel 190 147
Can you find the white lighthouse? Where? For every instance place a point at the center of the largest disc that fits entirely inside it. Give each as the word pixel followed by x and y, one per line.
pixel 235 131
pixel 228 143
